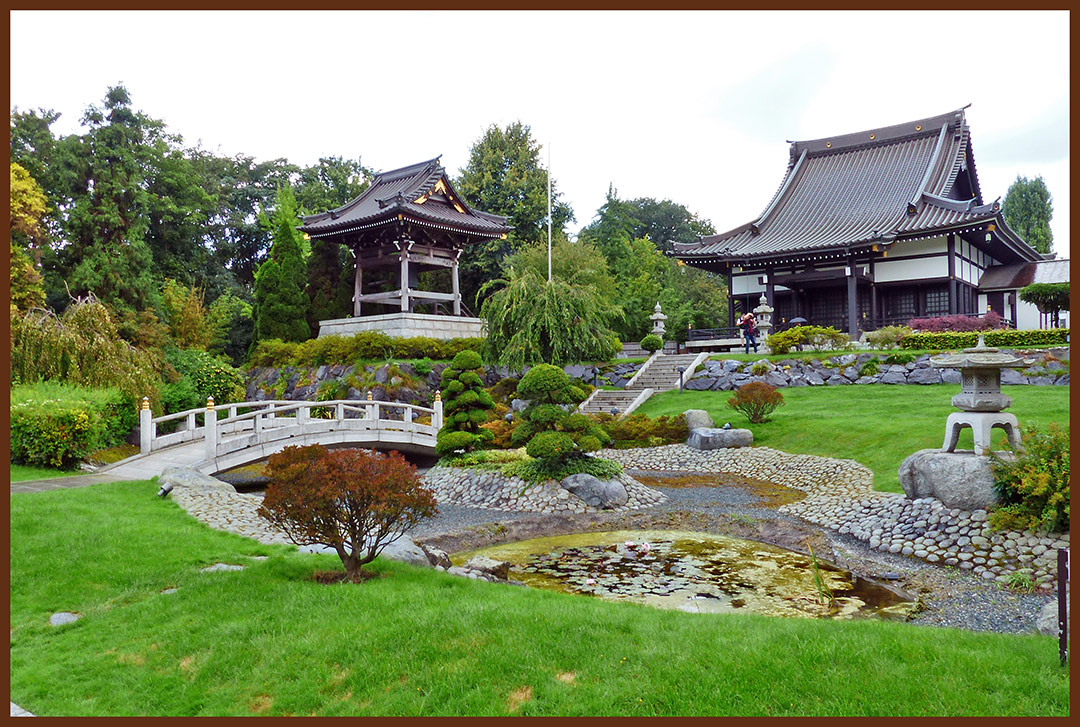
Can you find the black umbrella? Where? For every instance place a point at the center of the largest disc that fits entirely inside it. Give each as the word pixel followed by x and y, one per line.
pixel 798 321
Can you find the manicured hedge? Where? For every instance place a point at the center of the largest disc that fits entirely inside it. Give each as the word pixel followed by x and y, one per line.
pixel 346 350
pixel 1001 338
pixel 58 425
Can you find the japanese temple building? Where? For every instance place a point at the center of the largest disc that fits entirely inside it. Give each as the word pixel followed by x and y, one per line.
pixel 413 220
pixel 870 229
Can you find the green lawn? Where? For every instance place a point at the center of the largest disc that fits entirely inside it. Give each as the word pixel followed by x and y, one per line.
pixel 877 425
pixel 822 355
pixel 266 640
pixel 23 473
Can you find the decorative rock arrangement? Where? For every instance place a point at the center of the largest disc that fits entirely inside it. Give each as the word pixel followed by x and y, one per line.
pixel 493 490
pixel 844 370
pixel 840 497
pixel 959 479
pixel 714 438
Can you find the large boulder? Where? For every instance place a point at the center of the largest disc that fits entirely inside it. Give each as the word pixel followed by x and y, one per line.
pixel 1047 621
pixel 497 568
pixel 186 477
pixel 696 418
pixel 715 438
pixel 960 480
pixel 604 494
pixel 405 550
pixel 924 376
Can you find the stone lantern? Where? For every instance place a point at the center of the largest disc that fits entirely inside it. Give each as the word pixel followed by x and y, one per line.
pixel 981 402
pixel 658 319
pixel 763 313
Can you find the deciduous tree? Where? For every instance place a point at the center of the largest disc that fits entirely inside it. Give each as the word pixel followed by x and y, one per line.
pixel 1028 209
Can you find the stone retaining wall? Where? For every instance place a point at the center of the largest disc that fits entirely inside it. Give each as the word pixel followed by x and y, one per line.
pixel 840 497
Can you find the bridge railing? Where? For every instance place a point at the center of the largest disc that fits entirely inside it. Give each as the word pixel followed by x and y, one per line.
pixel 262 417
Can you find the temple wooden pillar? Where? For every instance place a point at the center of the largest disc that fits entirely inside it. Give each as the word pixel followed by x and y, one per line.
pixel 873 297
pixel 456 289
pixel 358 285
pixel 405 247
pixel 952 274
pixel 852 307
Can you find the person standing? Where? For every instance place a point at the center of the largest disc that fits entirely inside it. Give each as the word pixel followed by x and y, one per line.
pixel 747 324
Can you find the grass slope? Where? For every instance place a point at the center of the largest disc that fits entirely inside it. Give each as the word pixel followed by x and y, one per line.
pixel 266 640
pixel 877 425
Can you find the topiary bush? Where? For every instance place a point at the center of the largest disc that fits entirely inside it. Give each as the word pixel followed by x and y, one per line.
pixel 1004 338
pixel 466 406
pixel 353 500
pixel 652 343
pixel 757 400
pixel 553 432
pixel 1033 488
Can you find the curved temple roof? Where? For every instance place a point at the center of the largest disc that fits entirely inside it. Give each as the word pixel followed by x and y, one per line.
pixel 420 192
pixel 905 180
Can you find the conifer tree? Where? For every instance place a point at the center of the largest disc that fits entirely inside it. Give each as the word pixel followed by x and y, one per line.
pixel 280 301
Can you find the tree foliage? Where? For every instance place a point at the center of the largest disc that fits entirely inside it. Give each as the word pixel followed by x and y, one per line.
pixel 551 429
pixel 280 300
pixel 467 406
pixel 1028 209
pixel 28 206
pixel 504 177
pixel 532 320
pixel 1049 298
pixel 352 500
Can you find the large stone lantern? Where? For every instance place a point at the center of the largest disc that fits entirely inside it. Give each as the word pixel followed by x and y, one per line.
pixel 980 399
pixel 763 314
pixel 658 319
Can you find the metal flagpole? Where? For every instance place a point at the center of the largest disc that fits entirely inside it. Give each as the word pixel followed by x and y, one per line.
pixel 549 210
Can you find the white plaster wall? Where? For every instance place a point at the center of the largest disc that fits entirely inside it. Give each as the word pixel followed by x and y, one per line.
pixel 888 271
pixel 406 325
pixel 919 247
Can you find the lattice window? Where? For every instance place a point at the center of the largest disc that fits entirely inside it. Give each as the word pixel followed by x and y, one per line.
pixel 937 301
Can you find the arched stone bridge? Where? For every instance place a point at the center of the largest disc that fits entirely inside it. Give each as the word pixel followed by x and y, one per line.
pixel 253 430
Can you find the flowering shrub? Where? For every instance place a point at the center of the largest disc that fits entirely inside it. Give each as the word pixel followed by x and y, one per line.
pixel 757 400
pixel 352 500
pixel 1033 488
pixel 990 321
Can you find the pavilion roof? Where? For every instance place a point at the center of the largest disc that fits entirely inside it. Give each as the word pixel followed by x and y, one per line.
pixel 904 181
pixel 419 194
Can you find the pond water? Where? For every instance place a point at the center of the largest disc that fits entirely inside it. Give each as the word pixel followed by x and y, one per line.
pixel 696 572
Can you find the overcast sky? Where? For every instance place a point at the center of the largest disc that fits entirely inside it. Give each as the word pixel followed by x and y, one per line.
pixel 689 106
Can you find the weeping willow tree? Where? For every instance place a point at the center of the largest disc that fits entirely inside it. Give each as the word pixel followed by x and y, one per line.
pixel 82 347
pixel 531 320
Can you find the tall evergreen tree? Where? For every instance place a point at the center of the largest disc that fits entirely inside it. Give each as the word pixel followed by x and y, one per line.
pixel 106 251
pixel 1028 209
pixel 280 300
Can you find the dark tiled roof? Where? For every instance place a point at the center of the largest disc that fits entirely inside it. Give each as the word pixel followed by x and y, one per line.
pixel 1009 277
pixel 863 187
pixel 415 192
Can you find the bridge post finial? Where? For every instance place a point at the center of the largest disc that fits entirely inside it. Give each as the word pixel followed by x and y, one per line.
pixel 437 416
pixel 369 395
pixel 210 428
pixel 146 426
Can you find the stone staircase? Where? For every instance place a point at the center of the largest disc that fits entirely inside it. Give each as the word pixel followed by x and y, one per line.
pixel 660 373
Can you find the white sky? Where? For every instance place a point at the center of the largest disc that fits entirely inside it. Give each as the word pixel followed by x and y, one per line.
pixel 689 106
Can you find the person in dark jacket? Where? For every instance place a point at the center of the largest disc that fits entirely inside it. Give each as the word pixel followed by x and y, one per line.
pixel 748 326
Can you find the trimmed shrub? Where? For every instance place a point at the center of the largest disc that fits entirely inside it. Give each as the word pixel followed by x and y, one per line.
pixel 346 350
pixel 939 324
pixel 1033 488
pixel 353 500
pixel 757 400
pixel 58 425
pixel 817 338
pixel 539 470
pixel 652 343
pixel 551 393
pixel 467 406
pixel 1004 338
pixel 887 337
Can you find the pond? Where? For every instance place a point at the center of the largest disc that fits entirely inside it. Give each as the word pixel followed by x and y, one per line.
pixel 696 572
